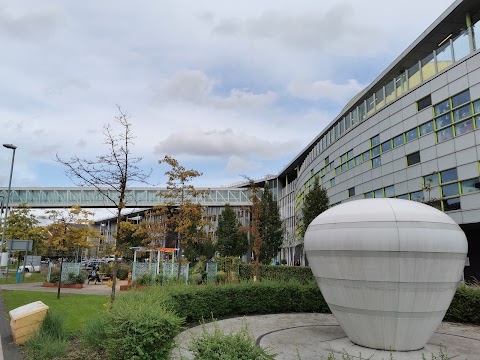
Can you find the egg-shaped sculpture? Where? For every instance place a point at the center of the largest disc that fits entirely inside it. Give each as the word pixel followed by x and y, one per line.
pixel 388 269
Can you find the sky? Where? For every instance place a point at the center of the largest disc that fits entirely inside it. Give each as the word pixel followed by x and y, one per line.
pixel 228 88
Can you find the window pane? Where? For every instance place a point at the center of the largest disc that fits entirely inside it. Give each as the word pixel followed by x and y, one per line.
pixel 376 151
pixel 476 35
pixel 332 182
pixel 442 107
pixel 443 120
pixel 370 105
pixel 351 163
pixel 401 83
pixel 464 127
pixel 358 160
pixel 344 158
pixel 361 112
pixel 399 140
pixel 344 167
pixel 426 128
pixel 413 158
pixel 378 193
pixel 411 135
pixel 424 103
pixel 448 175
pixel 348 122
pixel 368 195
pixel 445 134
pixel 461 47
pixel 404 197
pixel 338 171
pixel 451 204
pixel 355 116
pixel 375 141
pixel 390 91
pixel 387 145
pixel 471 185
pixel 428 67
pixel 342 126
pixel 462 113
pixel 476 106
pixel 450 189
pixel 414 76
pixel 376 162
pixel 366 155
pixel 390 191
pixel 417 196
pixel 379 99
pixel 461 99
pixel 351 192
pixel 444 56
pixel 350 155
pixel 430 181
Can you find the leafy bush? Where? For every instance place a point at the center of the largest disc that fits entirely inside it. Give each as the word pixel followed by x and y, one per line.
pixel 139 327
pixel 465 305
pixel 122 273
pixel 195 279
pixel 217 345
pixel 302 274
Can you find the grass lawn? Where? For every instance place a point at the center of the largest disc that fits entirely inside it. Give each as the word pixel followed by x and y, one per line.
pixel 76 310
pixel 12 278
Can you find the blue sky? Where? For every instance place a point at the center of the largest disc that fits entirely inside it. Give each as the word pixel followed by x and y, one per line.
pixel 227 88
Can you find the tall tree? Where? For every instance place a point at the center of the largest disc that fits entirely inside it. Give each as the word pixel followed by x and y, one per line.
pixel 316 202
pixel 23 225
pixel 271 229
pixel 68 232
pixel 111 174
pixel 187 218
pixel 231 241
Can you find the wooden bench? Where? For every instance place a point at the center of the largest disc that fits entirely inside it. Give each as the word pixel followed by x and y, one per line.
pixel 103 276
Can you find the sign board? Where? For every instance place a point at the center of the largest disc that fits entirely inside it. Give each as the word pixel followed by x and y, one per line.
pixel 19 245
pixel 33 260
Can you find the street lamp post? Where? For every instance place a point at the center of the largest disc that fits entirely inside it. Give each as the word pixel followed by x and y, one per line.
pixel 13 147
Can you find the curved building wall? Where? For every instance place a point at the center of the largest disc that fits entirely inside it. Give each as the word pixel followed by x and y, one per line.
pixel 416 137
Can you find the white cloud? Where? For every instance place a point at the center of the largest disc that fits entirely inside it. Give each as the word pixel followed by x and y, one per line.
pixel 219 144
pixel 325 89
pixel 237 165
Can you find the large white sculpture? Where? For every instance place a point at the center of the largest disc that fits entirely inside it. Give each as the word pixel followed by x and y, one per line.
pixel 387 268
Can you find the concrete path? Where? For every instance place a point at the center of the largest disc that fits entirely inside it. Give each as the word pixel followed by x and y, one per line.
pixel 315 336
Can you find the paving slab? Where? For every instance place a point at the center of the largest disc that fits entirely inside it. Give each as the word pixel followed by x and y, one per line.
pixel 315 336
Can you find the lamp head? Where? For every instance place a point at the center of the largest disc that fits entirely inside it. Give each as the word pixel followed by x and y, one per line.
pixel 10 146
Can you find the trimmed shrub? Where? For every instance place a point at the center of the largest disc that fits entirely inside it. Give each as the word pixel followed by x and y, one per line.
pixel 139 327
pixel 465 305
pixel 302 274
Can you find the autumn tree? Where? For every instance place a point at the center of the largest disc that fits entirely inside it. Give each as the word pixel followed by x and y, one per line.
pixel 315 203
pixel 231 241
pixel 23 225
pixel 271 229
pixel 69 231
pixel 110 174
pixel 182 214
pixel 253 226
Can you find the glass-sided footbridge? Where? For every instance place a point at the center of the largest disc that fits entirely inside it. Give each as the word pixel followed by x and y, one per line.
pixel 136 197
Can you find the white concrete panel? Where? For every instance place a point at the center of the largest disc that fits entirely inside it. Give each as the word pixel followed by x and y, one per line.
pixel 401 187
pixel 377 183
pixel 456 216
pixel 396 119
pixel 475 91
pixel 427 141
pixel 422 91
pixel 474 79
pixel 428 166
pixel 445 148
pixel 473 63
pixel 470 216
pixel 395 107
pixel 410 122
pixel 467 171
pixel 456 72
pixel 440 94
pixel 465 156
pixel 387 180
pixel 428 154
pixel 385 124
pixel 424 115
pixel 414 185
pixel 414 172
pixel 411 106
pixel 387 168
pixel 376 173
pixel 437 83
pixel 398 153
pixel 458 85
pixel 385 135
pixel 400 175
pixel 387 157
pixel 412 146
pixel 447 162
pixel 470 201
pixel 464 141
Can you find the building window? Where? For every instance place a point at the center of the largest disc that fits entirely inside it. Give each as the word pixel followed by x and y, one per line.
pixel 469 186
pixel 404 197
pixel 366 155
pixel 378 193
pixel 413 158
pixel 412 134
pixel 448 175
pixel 450 190
pixel 451 204
pixel 426 128
pixel 387 145
pixel 431 180
pixel 424 103
pixel 417 196
pixel 351 192
pixel 389 191
pixel 464 127
pixel 462 113
pixel 376 151
pixel 461 99
pixel 375 141
pixel 368 195
pixel 398 141
pixel 376 162
pixel 332 182
pixel 358 160
pixel 445 134
pixel 442 107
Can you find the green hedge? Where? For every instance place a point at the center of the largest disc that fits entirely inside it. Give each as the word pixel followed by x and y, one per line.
pixel 302 274
pixel 465 305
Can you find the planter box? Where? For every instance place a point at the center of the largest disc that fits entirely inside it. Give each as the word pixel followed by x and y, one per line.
pixel 64 286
